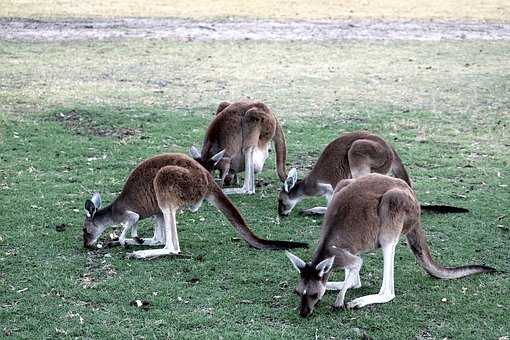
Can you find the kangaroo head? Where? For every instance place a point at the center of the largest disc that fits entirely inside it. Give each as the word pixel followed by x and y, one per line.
pixel 208 164
pixel 290 194
pixel 312 282
pixel 92 227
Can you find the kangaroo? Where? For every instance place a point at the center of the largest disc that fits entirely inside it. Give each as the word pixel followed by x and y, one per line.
pixel 350 156
pixel 158 187
pixel 243 130
pixel 367 213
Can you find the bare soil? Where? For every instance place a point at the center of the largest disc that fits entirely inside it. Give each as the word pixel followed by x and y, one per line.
pixel 16 29
pixel 74 121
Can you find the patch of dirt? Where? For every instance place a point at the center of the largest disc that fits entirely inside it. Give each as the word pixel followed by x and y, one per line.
pixel 81 125
pixel 189 30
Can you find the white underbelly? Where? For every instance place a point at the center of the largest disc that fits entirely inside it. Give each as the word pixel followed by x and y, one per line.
pixel 259 158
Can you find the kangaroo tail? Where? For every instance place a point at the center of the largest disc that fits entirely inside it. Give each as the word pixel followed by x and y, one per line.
pixel 443 209
pixel 223 203
pixel 281 151
pixel 398 168
pixel 418 243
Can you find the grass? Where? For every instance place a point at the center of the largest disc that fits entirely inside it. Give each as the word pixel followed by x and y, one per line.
pixel 80 116
pixel 497 10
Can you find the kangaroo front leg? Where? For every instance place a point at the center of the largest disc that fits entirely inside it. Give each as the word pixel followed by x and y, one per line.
pixel 325 190
pixel 249 175
pixel 170 240
pixel 353 267
pixel 338 285
pixel 128 224
pixel 158 239
pixel 314 211
pixel 387 292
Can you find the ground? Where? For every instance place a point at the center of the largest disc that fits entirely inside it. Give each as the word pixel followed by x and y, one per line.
pixel 77 114
pixel 496 10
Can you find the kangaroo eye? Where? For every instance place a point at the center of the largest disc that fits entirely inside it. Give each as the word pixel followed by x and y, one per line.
pixel 314 296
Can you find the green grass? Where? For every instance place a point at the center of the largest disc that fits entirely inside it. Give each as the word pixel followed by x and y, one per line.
pixel 449 122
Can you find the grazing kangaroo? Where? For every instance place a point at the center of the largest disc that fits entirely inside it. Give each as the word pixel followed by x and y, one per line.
pixel 367 213
pixel 350 156
pixel 243 131
pixel 158 187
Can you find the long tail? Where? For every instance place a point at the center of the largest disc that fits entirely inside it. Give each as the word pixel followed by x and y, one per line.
pixel 418 243
pixel 443 209
pixel 220 201
pixel 281 151
pixel 399 169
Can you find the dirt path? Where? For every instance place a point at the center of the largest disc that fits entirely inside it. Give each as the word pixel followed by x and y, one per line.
pixel 174 29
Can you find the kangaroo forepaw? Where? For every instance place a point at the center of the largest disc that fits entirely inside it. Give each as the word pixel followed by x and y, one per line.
pixel 310 212
pixel 336 307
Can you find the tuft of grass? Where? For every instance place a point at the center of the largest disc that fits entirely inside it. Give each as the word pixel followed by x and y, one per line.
pixel 263 9
pixel 69 106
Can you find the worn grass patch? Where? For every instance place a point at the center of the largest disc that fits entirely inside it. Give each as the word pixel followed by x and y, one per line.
pixel 456 151
pixel 265 9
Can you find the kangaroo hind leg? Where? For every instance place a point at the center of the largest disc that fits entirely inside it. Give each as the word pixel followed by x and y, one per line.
pixel 393 210
pixel 176 187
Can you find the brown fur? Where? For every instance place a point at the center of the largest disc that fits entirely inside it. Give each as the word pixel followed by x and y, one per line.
pixel 358 151
pixel 168 179
pixel 366 213
pixel 238 126
pixel 174 181
pixel 349 156
pixel 354 221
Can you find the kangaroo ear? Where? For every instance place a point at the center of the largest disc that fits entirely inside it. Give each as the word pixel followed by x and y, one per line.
pixel 296 261
pixel 216 158
pixel 291 180
pixel 325 266
pixel 96 199
pixel 193 152
pixel 90 209
pixel 92 205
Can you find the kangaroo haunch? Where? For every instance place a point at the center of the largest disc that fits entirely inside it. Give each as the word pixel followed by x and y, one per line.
pixel 158 187
pixel 243 131
pixel 367 213
pixel 350 156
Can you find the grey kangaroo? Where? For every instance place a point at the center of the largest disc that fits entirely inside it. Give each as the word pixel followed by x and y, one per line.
pixel 366 213
pixel 350 156
pixel 158 187
pixel 243 131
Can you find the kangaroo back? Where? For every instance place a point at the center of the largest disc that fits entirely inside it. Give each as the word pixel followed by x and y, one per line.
pixel 418 243
pixel 220 201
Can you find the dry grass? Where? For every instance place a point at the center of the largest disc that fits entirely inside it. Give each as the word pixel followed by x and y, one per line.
pixel 497 10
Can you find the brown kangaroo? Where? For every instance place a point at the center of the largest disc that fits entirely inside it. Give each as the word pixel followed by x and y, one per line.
pixel 366 213
pixel 158 187
pixel 243 131
pixel 350 156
